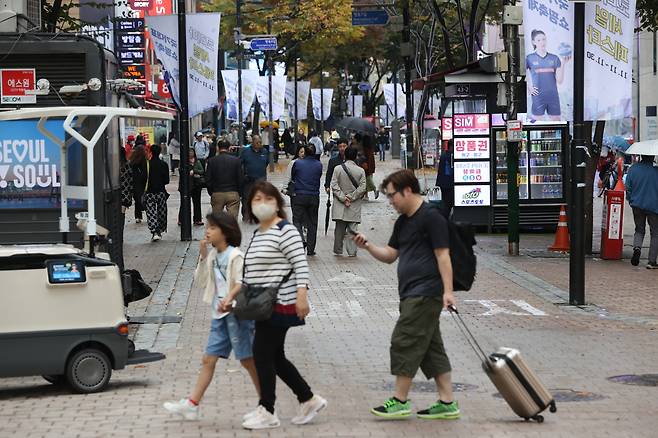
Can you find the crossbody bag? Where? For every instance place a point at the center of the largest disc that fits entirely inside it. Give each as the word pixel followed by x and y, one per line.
pixel 256 303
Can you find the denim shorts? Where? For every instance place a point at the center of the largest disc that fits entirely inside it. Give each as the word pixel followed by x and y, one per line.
pixel 230 333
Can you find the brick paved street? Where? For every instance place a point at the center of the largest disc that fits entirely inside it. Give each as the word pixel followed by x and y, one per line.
pixel 343 349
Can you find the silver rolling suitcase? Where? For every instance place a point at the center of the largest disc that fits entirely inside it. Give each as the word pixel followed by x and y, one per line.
pixel 516 382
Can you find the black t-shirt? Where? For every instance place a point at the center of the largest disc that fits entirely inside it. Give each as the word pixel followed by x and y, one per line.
pixel 416 238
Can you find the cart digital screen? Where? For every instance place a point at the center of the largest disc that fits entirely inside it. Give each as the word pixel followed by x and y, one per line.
pixel 66 271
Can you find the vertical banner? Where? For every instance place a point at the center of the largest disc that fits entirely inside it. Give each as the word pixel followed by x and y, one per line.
pixel 389 96
pixel 418 94
pixel 303 90
pixel 385 114
pixel 278 95
pixel 263 94
pixel 609 27
pixel 357 109
pixel 548 26
pixel 328 94
pixel 164 36
pixel 202 46
pixel 230 78
pixel 249 84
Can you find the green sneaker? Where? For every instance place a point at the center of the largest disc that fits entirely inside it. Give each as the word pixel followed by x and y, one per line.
pixel 393 409
pixel 440 411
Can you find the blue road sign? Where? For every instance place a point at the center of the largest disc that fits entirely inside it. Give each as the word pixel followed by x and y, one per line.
pixel 373 17
pixel 365 86
pixel 261 44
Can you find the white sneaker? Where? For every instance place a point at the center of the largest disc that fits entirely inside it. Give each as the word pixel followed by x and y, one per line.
pixel 250 414
pixel 184 408
pixel 156 237
pixel 308 410
pixel 262 419
pixel 138 221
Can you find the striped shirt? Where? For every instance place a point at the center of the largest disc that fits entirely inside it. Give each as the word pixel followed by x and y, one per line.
pixel 272 254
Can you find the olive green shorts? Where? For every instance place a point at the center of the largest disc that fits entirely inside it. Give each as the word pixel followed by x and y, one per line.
pixel 416 340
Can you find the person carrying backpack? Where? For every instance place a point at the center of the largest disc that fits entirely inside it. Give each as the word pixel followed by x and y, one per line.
pixel 421 242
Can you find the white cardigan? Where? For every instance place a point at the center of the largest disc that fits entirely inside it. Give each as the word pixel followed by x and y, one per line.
pixel 204 276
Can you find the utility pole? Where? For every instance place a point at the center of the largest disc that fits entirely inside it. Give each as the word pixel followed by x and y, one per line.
pixel 238 56
pixel 274 150
pixel 184 125
pixel 511 33
pixel 406 53
pixel 294 125
pixel 322 107
pixel 578 165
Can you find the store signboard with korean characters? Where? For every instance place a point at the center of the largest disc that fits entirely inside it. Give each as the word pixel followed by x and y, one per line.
pixel 472 159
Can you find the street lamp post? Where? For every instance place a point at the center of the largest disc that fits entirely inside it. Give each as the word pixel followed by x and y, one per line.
pixel 184 128
pixel 274 152
pixel 578 165
pixel 238 24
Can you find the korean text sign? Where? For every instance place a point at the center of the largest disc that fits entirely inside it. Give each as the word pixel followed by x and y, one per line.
pixel 609 30
pixel 471 148
pixel 15 83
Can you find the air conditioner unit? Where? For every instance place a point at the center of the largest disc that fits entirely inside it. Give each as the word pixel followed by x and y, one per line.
pixel 20 15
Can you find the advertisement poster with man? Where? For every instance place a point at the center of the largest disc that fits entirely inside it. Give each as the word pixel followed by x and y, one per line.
pixel 548 26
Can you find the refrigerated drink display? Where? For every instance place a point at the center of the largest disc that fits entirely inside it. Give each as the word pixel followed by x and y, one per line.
pixel 501 167
pixel 546 164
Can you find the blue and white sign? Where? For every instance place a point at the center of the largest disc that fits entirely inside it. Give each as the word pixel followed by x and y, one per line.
pixel 373 17
pixel 262 44
pixel 365 86
pixel 30 165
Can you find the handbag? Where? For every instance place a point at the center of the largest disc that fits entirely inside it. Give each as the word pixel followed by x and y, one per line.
pixel 256 303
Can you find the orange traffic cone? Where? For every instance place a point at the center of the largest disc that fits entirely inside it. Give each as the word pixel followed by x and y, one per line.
pixel 620 176
pixel 561 243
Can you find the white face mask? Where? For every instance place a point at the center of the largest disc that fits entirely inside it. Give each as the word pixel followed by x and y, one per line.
pixel 263 211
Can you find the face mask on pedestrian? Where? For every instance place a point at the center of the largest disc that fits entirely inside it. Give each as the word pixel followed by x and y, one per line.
pixel 263 210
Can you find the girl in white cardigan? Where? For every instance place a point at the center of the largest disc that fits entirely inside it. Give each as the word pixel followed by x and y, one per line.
pixel 219 272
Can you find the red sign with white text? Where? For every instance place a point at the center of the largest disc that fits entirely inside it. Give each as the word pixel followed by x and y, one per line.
pixel 140 5
pixel 446 128
pixel 160 7
pixel 15 83
pixel 470 124
pixel 163 89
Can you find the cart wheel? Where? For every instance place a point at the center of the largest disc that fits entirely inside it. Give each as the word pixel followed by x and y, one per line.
pixel 553 408
pixel 539 418
pixel 88 371
pixel 55 379
pixel 131 347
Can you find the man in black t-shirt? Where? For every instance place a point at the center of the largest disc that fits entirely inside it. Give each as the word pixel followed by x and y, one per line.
pixel 420 241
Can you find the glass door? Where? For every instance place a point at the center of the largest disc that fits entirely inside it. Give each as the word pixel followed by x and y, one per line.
pixel 546 160
pixel 501 167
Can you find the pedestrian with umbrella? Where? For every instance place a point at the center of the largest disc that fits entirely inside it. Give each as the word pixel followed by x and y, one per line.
pixel 348 185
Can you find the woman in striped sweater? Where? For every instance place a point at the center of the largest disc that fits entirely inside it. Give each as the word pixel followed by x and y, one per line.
pixel 276 257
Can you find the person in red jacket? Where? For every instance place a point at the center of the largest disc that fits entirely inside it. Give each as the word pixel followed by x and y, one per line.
pixel 130 144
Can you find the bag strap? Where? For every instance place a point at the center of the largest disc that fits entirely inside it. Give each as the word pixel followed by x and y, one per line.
pixel 349 175
pixel 148 173
pixel 244 264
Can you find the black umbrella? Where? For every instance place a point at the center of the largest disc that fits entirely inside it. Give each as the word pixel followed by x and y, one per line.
pixel 357 124
pixel 327 214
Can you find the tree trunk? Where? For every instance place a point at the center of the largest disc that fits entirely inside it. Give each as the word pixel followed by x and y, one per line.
pixel 594 147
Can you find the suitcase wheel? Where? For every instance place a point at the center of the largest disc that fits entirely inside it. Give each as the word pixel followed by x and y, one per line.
pixel 538 418
pixel 553 408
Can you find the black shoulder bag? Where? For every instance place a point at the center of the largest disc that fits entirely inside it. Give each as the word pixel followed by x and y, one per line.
pixel 349 175
pixel 256 303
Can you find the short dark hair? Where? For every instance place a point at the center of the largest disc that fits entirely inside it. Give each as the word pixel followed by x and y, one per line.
pixel 342 140
pixel 309 149
pixel 299 148
pixel 400 180
pixel 229 226
pixel 155 150
pixel 223 144
pixel 647 158
pixel 351 153
pixel 267 189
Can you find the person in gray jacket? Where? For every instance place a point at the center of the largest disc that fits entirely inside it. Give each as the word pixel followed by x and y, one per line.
pixel 348 197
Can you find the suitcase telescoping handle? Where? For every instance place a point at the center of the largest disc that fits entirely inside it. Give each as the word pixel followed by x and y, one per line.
pixel 479 352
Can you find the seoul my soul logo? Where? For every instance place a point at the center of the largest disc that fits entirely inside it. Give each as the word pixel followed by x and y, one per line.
pixel 24 163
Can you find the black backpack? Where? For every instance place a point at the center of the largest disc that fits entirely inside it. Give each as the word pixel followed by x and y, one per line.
pixel 462 256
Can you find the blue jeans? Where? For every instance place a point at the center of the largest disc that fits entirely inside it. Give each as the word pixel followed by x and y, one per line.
pixel 230 333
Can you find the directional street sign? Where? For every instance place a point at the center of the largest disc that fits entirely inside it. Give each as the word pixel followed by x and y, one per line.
pixel 373 17
pixel 261 44
pixel 365 86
